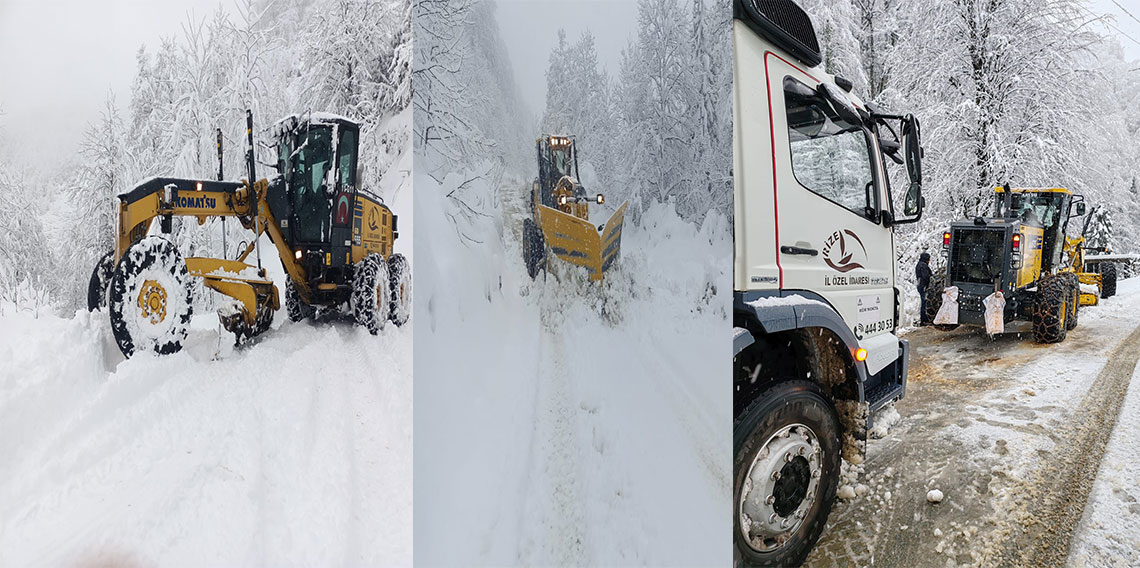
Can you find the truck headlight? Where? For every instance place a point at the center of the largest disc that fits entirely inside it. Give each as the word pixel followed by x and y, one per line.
pixel 601 199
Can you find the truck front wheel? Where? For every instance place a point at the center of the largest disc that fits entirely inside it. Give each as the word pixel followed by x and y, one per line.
pixel 786 469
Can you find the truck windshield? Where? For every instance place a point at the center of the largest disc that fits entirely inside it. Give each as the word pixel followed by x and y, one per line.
pixel 830 156
pixel 309 166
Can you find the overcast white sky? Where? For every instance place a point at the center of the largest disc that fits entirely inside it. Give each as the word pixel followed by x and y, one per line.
pixel 530 30
pixel 1124 24
pixel 60 58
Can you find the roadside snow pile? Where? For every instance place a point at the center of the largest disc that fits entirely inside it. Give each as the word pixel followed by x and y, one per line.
pixel 294 450
pixel 1109 533
pixel 597 410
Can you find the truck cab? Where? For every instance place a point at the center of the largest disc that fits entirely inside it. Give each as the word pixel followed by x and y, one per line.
pixel 816 306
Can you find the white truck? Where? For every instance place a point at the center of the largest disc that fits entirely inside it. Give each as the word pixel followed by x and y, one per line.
pixel 815 303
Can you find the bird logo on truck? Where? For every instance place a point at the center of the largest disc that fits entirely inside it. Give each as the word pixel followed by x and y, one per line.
pixel 844 261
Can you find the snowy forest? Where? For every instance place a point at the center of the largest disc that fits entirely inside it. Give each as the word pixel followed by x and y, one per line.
pixel 658 131
pixel 271 56
pixel 1029 92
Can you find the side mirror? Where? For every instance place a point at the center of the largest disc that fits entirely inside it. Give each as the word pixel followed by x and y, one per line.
pixel 602 199
pixel 1080 208
pixel 913 202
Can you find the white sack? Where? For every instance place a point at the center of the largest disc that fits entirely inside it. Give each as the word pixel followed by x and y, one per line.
pixel 995 312
pixel 948 313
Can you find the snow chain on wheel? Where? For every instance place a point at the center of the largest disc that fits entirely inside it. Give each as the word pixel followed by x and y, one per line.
pixel 934 301
pixel 785 473
pixel 1075 302
pixel 149 298
pixel 371 293
pixel 400 282
pixel 534 248
pixel 294 305
pixel 1108 279
pixel 100 279
pixel 1050 310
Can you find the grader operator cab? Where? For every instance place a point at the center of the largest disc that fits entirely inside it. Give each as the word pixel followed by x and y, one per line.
pixel 334 240
pixel 561 214
pixel 1021 263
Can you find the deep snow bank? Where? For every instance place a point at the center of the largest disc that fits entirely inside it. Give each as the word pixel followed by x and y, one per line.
pixel 295 450
pixel 564 422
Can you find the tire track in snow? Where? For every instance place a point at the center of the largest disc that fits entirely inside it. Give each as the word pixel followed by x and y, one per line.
pixel 563 517
pixel 1052 504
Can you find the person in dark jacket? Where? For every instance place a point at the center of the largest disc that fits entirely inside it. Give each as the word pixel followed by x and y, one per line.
pixel 922 276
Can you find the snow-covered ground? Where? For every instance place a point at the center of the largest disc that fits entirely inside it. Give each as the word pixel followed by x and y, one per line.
pixel 293 450
pixel 1109 535
pixel 1013 434
pixel 560 422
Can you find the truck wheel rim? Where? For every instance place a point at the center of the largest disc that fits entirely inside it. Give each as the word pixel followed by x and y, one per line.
pixel 781 485
pixel 152 302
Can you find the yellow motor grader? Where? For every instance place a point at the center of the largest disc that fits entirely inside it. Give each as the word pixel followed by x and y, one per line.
pixel 561 214
pixel 333 238
pixel 1024 253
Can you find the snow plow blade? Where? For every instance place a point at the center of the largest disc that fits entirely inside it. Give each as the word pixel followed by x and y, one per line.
pixel 578 242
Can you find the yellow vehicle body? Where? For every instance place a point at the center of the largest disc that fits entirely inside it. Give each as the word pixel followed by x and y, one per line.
pixel 575 240
pixel 561 211
pixel 1031 241
pixel 373 231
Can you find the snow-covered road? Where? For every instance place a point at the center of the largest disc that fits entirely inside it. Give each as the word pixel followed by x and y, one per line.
pixel 562 422
pixel 1014 434
pixel 293 451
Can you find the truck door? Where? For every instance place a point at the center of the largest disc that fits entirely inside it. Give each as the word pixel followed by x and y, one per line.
pixel 829 194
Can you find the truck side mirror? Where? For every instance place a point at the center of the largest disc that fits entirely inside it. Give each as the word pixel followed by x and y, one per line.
pixel 1080 208
pixel 913 203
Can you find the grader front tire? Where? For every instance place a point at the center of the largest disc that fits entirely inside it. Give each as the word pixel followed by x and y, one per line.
pixel 149 298
pixel 295 306
pixel 1108 279
pixel 100 279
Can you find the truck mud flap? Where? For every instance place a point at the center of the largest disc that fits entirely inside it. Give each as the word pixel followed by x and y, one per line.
pixel 578 242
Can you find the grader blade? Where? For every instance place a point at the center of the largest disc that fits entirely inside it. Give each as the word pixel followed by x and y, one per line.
pixel 611 237
pixel 578 242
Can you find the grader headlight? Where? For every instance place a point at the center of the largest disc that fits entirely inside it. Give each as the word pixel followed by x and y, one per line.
pixel 601 199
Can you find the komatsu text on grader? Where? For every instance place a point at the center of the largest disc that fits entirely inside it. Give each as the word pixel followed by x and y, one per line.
pixel 1022 258
pixel 334 240
pixel 561 215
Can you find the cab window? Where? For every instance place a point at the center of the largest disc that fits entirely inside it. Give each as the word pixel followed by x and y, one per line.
pixel 830 156
pixel 346 159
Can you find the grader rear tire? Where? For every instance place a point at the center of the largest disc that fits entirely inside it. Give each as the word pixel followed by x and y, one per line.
pixel 371 297
pixel 1050 310
pixel 1074 284
pixel 934 302
pixel 400 282
pixel 1108 279
pixel 150 299
pixel 100 278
